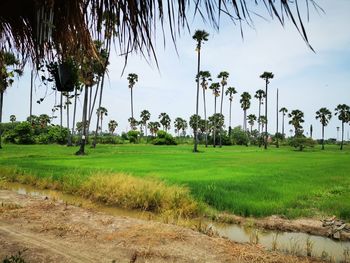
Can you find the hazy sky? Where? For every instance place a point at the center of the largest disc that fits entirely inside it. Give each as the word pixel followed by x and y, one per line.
pixel 306 80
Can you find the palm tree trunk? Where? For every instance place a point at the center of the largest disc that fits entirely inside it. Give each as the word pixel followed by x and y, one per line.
pixel 342 135
pixel 266 135
pixel 132 106
pixel 259 115
pixel 98 115
pixel 93 103
pixel 69 138
pixel 214 128
pixel 74 110
pixel 277 144
pixel 84 119
pixel 1 104
pixel 205 119
pixel 222 100
pixel 101 123
pixel 31 94
pixel 61 111
pixel 322 137
pixel 230 127
pixel 283 124
pixel 197 103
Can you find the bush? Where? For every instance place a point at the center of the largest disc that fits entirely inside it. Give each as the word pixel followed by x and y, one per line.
pixel 56 134
pixel 42 138
pixel 133 136
pixel 302 142
pixel 10 136
pixel 239 137
pixel 24 133
pixel 164 138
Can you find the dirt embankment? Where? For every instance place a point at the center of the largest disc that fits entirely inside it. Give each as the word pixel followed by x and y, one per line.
pixel 51 231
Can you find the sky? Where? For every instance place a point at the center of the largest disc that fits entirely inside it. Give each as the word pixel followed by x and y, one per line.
pixel 306 80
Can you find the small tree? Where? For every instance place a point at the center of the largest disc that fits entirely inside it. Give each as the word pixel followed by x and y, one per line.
pixel 132 78
pixel 324 115
pixel 112 125
pixel 153 127
pixel 102 111
pixel 165 120
pixel 297 118
pixel 343 113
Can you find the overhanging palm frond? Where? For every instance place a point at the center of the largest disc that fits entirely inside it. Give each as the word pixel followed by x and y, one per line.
pixel 42 28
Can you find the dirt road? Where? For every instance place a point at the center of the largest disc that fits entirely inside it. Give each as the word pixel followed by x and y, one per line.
pixel 49 231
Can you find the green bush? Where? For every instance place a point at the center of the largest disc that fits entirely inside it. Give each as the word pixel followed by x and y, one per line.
pixel 42 138
pixel 239 137
pixel 164 138
pixel 56 134
pixel 24 133
pixel 301 142
pixel 9 136
pixel 133 136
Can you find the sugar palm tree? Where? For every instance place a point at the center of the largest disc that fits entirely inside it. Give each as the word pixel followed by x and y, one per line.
pixel 245 105
pixel 12 118
pixel 230 91
pixel 216 122
pixel 178 124
pixel 8 69
pixel 343 113
pixel 153 127
pixel 165 120
pixel 297 118
pixel 284 111
pixel 223 75
pixel 215 87
pixel 325 116
pixel 102 111
pixel 112 125
pixel 251 119
pixel 204 77
pixel 133 123
pixel 199 36
pixel 44 120
pixel 132 78
pixel 260 95
pixel 145 116
pixel 266 76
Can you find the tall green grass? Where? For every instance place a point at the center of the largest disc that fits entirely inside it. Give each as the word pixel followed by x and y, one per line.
pixel 242 180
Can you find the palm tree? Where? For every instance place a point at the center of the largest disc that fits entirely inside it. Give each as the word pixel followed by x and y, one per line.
pixel 102 111
pixel 251 119
pixel 165 120
pixel 12 118
pixel 215 87
pixel 245 105
pixel 132 78
pixel 343 112
pixel 284 111
pixel 199 36
pixel 325 116
pixel 194 123
pixel 204 77
pixel 262 120
pixel 112 125
pixel 297 118
pixel 260 95
pixel 8 69
pixel 224 76
pixel 44 120
pixel 178 124
pixel 145 116
pixel 133 123
pixel 184 127
pixel 230 91
pixel 153 127
pixel 266 76
pixel 216 122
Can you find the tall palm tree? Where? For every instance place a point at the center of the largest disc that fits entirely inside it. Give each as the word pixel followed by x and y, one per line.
pixel 102 111
pixel 230 91
pixel 199 36
pixel 266 76
pixel 8 68
pixel 245 105
pixel 145 116
pixel 112 125
pixel 178 124
pixel 343 112
pixel 297 118
pixel 165 120
pixel 260 95
pixel 133 123
pixel 325 116
pixel 12 118
pixel 251 119
pixel 215 87
pixel 262 120
pixel 204 77
pixel 223 75
pixel 132 78
pixel 284 111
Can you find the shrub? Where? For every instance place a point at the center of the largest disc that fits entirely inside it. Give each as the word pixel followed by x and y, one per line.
pixel 42 138
pixel 56 134
pixel 133 136
pixel 164 138
pixel 239 137
pixel 302 142
pixel 10 136
pixel 24 133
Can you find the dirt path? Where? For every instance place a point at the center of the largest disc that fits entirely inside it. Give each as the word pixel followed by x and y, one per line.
pixel 50 231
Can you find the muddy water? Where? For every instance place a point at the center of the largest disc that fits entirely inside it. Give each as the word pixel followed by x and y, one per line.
pixel 294 243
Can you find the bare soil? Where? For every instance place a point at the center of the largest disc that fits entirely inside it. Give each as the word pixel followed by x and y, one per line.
pixel 51 231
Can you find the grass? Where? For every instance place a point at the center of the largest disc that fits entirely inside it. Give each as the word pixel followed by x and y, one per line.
pixel 246 181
